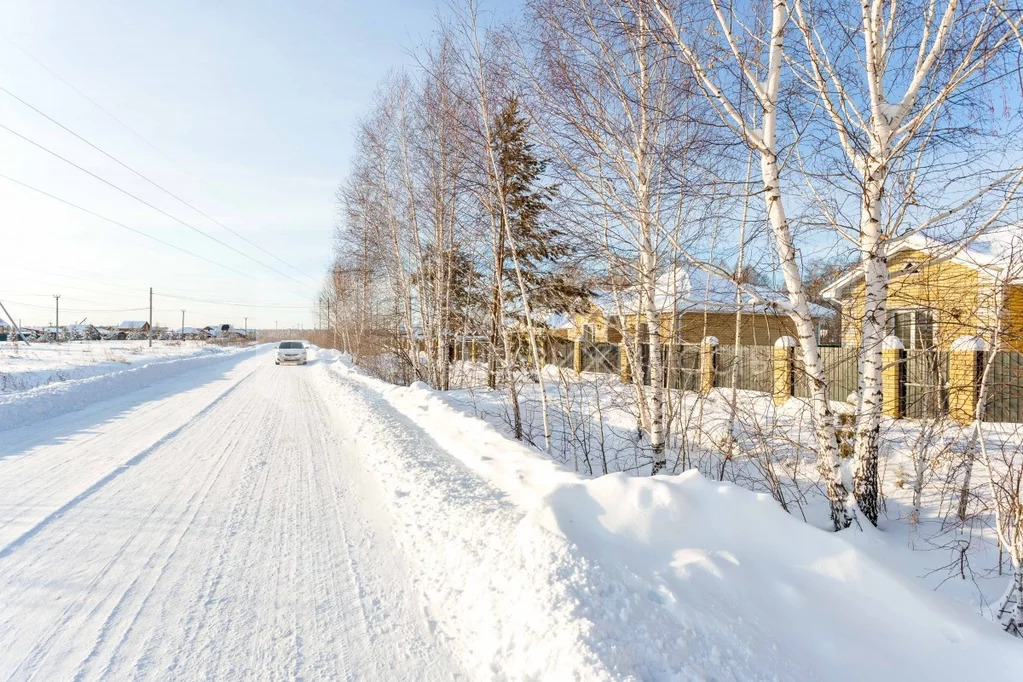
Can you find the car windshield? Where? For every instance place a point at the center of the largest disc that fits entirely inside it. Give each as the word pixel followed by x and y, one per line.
pixel 291 344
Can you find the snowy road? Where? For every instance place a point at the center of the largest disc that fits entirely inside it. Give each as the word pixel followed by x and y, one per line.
pixel 217 517
pixel 210 526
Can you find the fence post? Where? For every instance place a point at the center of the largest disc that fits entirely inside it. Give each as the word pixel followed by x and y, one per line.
pixel 472 350
pixel 965 367
pixel 577 357
pixel 893 377
pixel 708 363
pixel 784 361
pixel 623 363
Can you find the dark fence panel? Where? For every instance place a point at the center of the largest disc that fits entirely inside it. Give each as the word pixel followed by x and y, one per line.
pixel 926 384
pixel 681 366
pixel 841 371
pixel 753 365
pixel 1005 388
pixel 600 357
pixel 561 353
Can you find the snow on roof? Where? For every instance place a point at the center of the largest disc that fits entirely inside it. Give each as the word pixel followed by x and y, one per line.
pixel 997 252
pixel 688 288
pixel 999 249
pixel 218 329
pixel 559 321
pixel 132 324
pixel 3 323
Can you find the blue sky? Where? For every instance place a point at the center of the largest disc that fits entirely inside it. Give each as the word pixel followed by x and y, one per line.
pixel 245 109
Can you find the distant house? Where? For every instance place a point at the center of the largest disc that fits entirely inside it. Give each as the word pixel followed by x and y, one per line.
pixel 218 330
pixel 6 330
pixel 938 291
pixel 85 332
pixel 129 326
pixel 224 331
pixel 692 305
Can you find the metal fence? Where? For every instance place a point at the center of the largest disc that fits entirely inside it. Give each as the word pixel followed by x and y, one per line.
pixel 926 387
pixel 681 364
pixel 925 391
pixel 1005 389
pixel 560 352
pixel 600 357
pixel 841 371
pixel 753 366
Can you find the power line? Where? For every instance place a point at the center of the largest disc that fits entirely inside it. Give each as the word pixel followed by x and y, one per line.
pixel 152 206
pixel 80 310
pixel 88 99
pixel 245 305
pixel 119 224
pixel 150 181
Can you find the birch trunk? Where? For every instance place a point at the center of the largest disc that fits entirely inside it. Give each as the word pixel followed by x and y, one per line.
pixel 869 401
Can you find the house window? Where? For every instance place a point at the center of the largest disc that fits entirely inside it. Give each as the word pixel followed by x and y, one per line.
pixel 915 328
pixel 589 334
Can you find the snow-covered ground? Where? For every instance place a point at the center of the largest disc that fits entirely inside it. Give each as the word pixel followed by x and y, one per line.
pixel 25 366
pixel 771 450
pixel 237 520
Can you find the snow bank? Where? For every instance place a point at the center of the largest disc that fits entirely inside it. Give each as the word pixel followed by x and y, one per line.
pixel 538 572
pixel 43 402
pixel 24 367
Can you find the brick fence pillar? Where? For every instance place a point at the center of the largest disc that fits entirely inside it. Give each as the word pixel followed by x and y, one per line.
pixel 577 356
pixel 784 361
pixel 965 367
pixel 708 363
pixel 893 377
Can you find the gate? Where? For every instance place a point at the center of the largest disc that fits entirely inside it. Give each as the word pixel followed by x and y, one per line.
pixel 600 357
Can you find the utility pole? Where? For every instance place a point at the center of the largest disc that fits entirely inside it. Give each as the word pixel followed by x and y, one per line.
pixel 150 317
pixel 17 326
pixel 56 334
pixel 182 324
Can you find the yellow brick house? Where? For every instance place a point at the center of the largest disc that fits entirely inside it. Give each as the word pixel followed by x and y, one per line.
pixel 941 290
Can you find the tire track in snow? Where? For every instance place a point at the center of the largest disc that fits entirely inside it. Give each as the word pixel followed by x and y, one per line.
pixel 122 553
pixel 106 480
pixel 248 544
pixel 51 468
pixel 191 510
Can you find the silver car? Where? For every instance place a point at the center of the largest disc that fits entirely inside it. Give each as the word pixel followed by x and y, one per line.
pixel 291 351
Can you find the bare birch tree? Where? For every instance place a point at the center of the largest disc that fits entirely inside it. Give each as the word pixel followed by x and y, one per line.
pixel 877 76
pixel 615 113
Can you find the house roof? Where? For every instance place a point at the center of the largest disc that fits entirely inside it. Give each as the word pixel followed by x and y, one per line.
pixel 223 328
pixel 132 324
pixel 997 252
pixel 688 288
pixel 559 321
